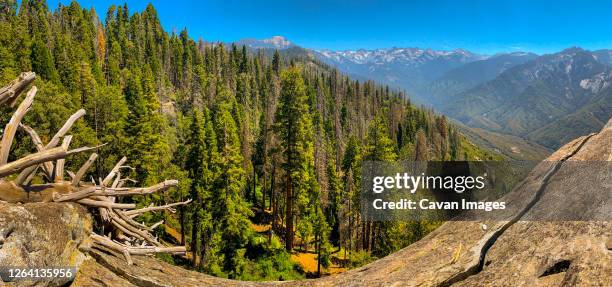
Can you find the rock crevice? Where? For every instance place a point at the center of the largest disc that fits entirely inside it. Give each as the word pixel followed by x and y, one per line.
pixel 472 270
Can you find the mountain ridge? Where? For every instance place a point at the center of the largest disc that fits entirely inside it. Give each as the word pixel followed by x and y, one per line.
pixel 538 93
pixel 547 99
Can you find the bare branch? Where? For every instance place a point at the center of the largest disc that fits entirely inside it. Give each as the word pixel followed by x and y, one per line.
pixel 13 124
pixel 128 258
pixel 77 178
pixel 75 196
pixel 59 167
pixel 156 225
pixel 130 220
pixel 132 229
pixel 115 222
pixel 124 180
pixel 123 191
pixel 83 149
pixel 99 203
pixel 136 212
pixel 21 179
pixel 113 171
pixel 35 138
pixel 32 160
pixel 14 89
pixel 116 181
pixel 108 243
pixel 39 146
pixel 65 128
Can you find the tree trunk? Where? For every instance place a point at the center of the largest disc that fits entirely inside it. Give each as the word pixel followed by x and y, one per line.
pixel 289 213
pixel 273 205
pixel 182 216
pixel 254 187
pixel 194 239
pixel 263 195
pixel 203 251
pixel 318 247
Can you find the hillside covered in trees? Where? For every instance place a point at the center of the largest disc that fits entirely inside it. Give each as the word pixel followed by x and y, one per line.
pixel 267 145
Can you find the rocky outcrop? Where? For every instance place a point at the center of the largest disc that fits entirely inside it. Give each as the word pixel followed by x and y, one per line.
pixel 529 247
pixel 43 235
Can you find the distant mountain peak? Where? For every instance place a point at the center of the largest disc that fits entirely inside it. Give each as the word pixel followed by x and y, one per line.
pixel 544 99
pixel 278 41
pixel 275 42
pixel 572 50
pixel 518 54
pixel 411 56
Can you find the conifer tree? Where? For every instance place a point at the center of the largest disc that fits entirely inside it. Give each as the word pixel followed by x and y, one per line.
pixel 276 63
pixel 421 153
pixel 379 145
pixel 294 128
pixel 231 210
pixel 42 63
pixel 197 166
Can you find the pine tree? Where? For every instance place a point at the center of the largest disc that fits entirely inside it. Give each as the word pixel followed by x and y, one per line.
pixel 197 167
pixel 8 44
pixel 244 62
pixel 333 207
pixel 294 128
pixel 276 63
pixel 379 145
pixel 231 210
pixel 42 62
pixel 421 151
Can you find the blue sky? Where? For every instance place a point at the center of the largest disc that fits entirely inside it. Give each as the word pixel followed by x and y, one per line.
pixel 480 26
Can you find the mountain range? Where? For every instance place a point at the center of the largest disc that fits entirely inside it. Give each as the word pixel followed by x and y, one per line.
pixel 409 68
pixel 549 100
pixel 544 99
pixel 275 42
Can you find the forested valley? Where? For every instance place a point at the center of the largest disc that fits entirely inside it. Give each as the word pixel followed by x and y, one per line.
pixel 268 145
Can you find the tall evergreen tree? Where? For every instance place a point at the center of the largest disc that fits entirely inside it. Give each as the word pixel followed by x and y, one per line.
pixel 294 128
pixel 197 166
pixel 231 210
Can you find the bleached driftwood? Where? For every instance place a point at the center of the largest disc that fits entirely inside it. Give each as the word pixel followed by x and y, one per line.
pixel 11 128
pixel 12 91
pixel 99 196
pixel 48 166
pixel 59 167
pixel 168 207
pixel 32 160
pixel 81 172
pixel 25 174
pixel 124 191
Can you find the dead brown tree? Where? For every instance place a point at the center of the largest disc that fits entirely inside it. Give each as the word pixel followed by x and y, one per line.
pixel 123 235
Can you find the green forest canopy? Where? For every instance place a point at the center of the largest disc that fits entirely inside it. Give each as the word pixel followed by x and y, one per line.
pixel 254 137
